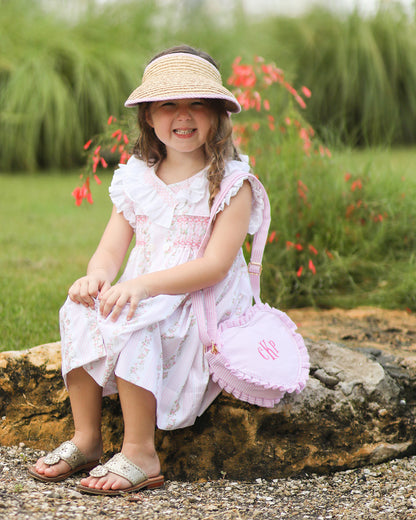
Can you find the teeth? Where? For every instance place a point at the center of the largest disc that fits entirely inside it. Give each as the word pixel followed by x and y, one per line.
pixel 184 132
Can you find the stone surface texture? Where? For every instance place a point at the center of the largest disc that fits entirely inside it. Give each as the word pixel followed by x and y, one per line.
pixel 357 409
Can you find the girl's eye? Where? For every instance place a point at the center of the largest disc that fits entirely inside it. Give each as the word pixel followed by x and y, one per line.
pixel 168 104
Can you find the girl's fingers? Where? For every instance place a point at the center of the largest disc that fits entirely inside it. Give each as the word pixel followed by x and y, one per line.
pixel 134 302
pixel 112 300
pixel 118 307
pixel 106 286
pixel 83 291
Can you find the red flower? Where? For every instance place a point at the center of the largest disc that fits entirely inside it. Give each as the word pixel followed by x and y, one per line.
pixel 77 196
pixel 306 92
pixel 87 144
pixel 312 267
pixel 124 157
pixel 299 271
pixel 300 101
pixel 117 134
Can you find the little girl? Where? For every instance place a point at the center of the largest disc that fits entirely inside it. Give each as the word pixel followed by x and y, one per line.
pixel 139 337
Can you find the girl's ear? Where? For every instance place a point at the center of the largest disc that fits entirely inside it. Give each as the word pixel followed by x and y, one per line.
pixel 149 119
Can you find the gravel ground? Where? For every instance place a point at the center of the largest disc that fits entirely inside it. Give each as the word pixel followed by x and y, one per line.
pixel 386 491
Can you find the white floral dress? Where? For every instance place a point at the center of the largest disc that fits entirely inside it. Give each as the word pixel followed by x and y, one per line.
pixel 159 348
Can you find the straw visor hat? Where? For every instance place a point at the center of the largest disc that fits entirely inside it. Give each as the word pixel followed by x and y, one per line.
pixel 181 76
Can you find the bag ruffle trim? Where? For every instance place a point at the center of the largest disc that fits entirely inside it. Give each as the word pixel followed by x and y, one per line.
pixel 267 394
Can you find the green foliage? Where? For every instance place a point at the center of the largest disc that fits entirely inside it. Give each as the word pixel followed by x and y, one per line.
pixel 59 81
pixel 48 241
pixel 342 231
pixel 62 75
pixel 361 72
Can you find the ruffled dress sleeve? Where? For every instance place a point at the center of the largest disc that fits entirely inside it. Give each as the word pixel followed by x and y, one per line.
pixel 257 204
pixel 124 184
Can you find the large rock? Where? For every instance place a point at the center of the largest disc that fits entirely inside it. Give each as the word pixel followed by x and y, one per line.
pixel 356 409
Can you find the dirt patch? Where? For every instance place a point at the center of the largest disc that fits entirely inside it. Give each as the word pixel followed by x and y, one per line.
pixel 391 331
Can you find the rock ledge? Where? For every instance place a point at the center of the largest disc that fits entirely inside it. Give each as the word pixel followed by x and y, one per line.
pixel 357 409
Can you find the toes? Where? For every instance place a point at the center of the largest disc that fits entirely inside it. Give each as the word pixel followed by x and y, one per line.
pixel 120 483
pixel 108 482
pixel 51 471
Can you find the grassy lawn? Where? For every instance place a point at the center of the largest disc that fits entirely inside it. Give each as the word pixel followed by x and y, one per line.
pixel 46 242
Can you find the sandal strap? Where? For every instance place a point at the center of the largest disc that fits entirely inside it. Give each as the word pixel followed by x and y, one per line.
pixel 68 452
pixel 122 466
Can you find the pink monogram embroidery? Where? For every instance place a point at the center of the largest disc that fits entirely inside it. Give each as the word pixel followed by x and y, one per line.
pixel 268 350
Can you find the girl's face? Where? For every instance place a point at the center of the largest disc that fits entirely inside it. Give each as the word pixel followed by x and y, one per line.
pixel 182 125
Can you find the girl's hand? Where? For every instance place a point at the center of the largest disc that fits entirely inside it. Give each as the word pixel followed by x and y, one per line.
pixel 85 289
pixel 114 299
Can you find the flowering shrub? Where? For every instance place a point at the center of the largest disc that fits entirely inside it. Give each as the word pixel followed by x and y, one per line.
pixel 318 214
pixel 276 118
pixel 112 143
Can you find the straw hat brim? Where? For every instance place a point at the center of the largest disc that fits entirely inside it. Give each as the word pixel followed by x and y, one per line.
pixel 179 76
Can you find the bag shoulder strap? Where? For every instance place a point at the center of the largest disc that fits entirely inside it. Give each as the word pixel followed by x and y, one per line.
pixel 203 301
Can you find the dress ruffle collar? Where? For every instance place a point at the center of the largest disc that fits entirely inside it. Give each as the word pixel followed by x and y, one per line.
pixel 150 196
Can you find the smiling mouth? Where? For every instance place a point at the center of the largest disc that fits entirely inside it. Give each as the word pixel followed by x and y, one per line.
pixel 189 131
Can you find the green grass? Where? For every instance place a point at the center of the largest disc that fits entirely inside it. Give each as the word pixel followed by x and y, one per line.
pixel 45 245
pixel 46 242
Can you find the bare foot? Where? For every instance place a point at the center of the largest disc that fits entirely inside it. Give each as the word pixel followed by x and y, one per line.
pixel 148 461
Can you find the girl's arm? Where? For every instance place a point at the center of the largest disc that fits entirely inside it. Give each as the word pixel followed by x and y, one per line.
pixel 229 231
pixel 105 262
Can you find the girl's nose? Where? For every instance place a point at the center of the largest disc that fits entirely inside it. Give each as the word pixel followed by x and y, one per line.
pixel 183 111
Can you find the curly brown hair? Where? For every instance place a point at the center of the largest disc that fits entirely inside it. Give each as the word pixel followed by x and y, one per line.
pixel 219 145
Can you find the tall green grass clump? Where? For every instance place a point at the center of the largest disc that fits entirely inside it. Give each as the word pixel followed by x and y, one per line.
pixel 362 72
pixel 62 74
pixel 60 77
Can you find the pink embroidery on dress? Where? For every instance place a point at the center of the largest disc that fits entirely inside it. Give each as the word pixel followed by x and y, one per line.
pixel 190 230
pixel 142 237
pixel 161 189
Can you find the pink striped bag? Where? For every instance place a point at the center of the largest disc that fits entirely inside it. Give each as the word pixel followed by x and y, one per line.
pixel 259 356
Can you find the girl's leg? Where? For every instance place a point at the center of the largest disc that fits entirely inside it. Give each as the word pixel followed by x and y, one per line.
pixel 86 401
pixel 139 414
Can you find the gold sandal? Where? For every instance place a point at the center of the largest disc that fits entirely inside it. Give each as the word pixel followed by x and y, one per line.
pixel 69 453
pixel 122 466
